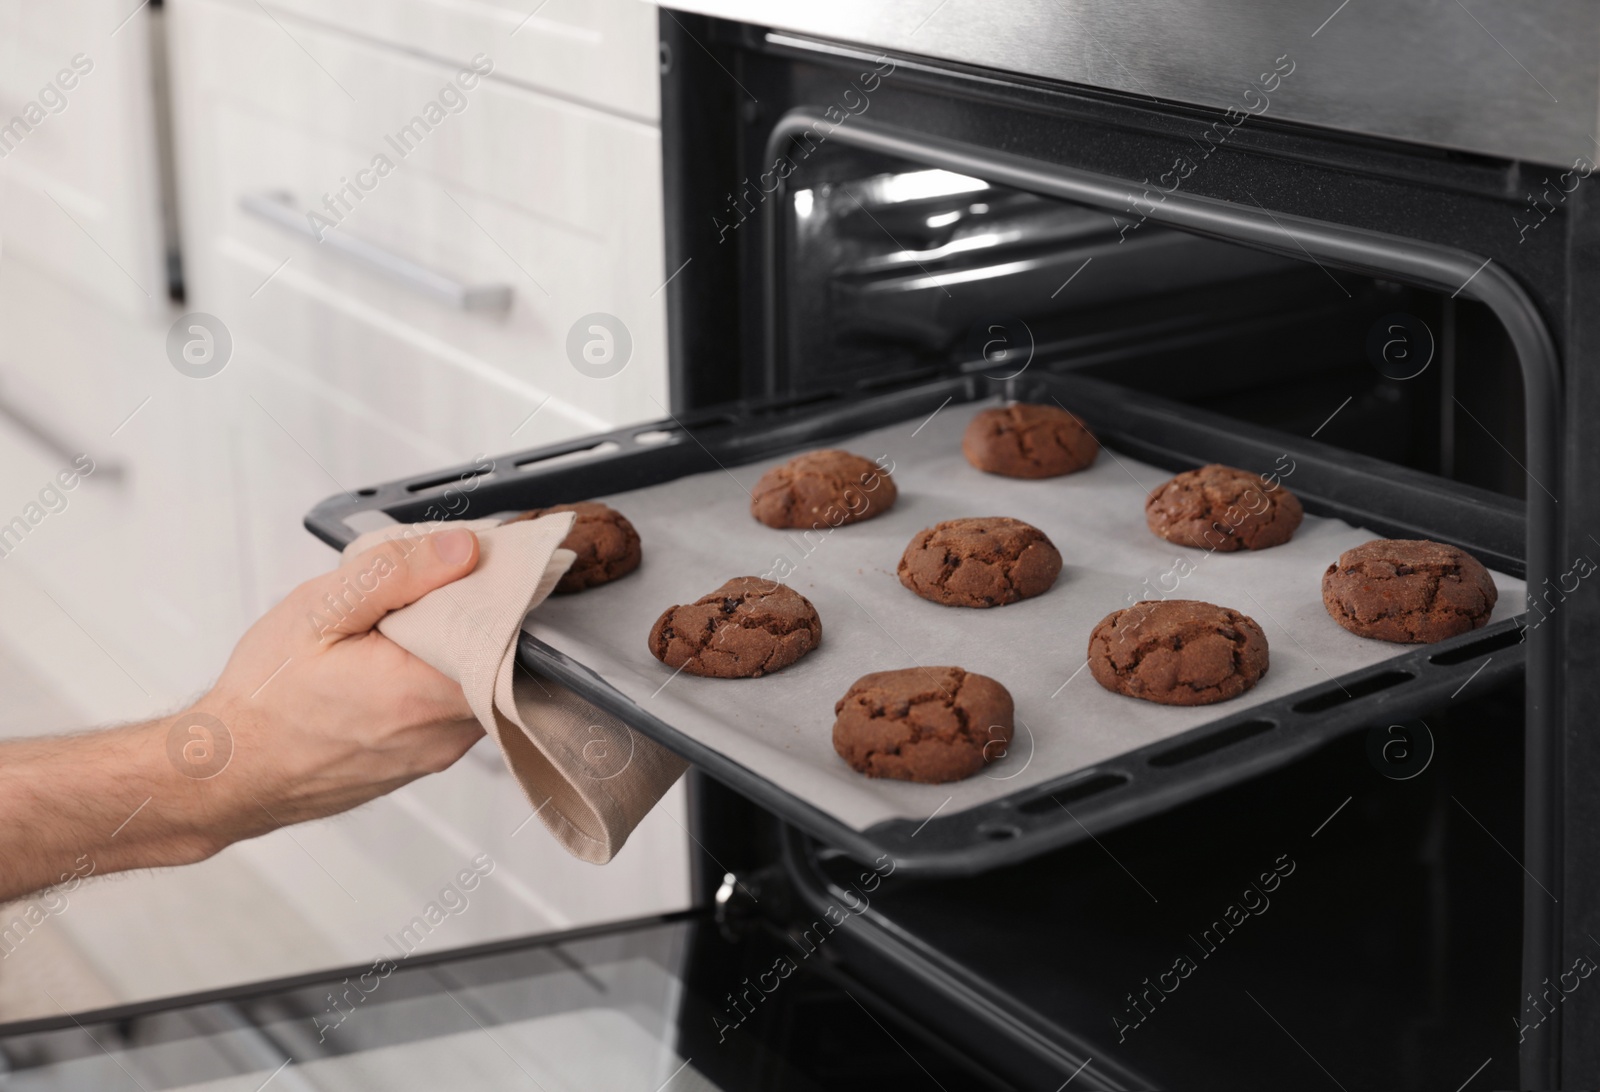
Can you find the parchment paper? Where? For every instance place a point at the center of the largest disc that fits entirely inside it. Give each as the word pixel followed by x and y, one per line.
pixel 698 532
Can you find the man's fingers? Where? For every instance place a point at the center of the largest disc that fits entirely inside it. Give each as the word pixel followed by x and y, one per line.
pixel 389 576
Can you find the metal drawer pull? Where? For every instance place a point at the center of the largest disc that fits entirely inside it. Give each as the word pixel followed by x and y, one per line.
pixel 47 438
pixel 277 209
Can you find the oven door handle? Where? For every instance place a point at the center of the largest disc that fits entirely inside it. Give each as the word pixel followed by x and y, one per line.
pixel 278 209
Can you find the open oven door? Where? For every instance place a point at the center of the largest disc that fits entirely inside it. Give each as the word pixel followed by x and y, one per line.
pixel 673 1003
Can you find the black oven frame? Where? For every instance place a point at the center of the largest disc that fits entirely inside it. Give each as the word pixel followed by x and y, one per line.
pixel 1434 218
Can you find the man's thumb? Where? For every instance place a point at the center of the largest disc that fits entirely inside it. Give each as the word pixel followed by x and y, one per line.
pixel 389 576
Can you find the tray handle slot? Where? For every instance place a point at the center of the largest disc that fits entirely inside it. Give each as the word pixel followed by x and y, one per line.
pixel 999 832
pixel 1078 790
pixel 1212 741
pixel 455 477
pixel 1360 688
pixel 1473 649
pixel 545 462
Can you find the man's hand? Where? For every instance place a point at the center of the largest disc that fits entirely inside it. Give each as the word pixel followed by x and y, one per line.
pixel 318 713
pixel 327 713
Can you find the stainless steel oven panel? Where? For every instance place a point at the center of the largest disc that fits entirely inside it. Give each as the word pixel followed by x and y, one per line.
pixel 1492 76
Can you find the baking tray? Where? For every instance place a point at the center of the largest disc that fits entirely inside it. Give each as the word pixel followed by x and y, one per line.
pixel 1084 760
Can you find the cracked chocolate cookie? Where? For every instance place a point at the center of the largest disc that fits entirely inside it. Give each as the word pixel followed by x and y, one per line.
pixel 1178 652
pixel 928 724
pixel 606 544
pixel 983 562
pixel 1410 591
pixel 1222 508
pixel 820 489
pixel 1028 441
pixel 747 628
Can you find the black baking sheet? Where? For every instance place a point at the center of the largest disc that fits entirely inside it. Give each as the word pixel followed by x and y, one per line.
pixel 1110 758
pixel 697 532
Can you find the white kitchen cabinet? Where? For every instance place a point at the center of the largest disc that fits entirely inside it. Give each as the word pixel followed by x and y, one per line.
pixel 557 200
pixel 602 52
pixel 339 893
pixel 80 192
pixel 342 376
pixel 129 599
pixel 126 599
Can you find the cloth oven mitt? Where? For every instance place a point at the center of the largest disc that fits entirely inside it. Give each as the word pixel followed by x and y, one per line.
pixel 589 777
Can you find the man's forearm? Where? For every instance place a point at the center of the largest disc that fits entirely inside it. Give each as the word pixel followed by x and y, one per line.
pixel 306 721
pixel 100 802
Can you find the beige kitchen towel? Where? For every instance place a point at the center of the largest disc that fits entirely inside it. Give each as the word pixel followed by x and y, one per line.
pixel 589 777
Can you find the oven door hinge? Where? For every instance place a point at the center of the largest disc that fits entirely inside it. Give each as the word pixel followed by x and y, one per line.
pixel 746 900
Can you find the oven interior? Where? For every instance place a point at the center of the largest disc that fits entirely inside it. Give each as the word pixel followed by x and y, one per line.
pixel 1386 946
pixel 1393 961
pixel 888 271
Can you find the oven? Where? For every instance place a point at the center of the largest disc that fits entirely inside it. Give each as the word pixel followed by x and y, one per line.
pixel 1229 238
pixel 1373 276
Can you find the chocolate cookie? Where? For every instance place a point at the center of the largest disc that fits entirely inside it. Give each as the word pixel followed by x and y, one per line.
pixel 984 562
pixel 822 489
pixel 1410 591
pixel 1027 441
pixel 1221 508
pixel 743 630
pixel 1177 652
pixel 927 724
pixel 605 542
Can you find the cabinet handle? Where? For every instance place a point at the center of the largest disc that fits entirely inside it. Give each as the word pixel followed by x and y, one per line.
pixel 278 209
pixel 47 438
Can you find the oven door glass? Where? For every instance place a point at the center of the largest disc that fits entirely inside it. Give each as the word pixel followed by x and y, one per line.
pixel 672 1006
